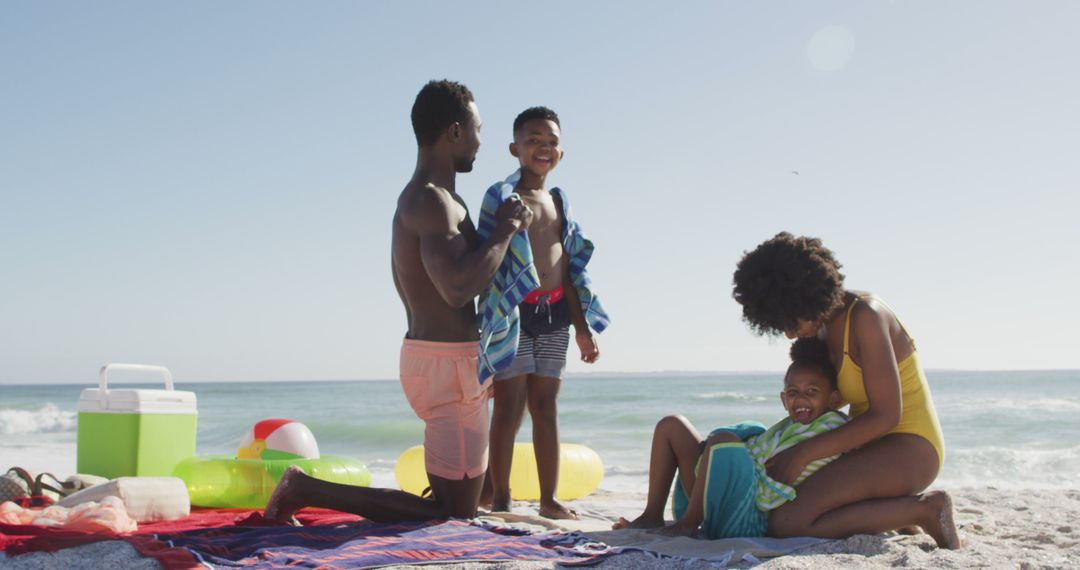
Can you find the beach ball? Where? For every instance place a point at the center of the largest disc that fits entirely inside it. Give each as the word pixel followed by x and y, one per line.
pixel 278 439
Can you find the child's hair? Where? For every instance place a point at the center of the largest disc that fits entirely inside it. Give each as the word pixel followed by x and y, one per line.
pixel 439 105
pixel 813 353
pixel 535 113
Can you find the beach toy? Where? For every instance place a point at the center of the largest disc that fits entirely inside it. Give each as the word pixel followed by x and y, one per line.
pixel 267 450
pixel 580 472
pixel 278 439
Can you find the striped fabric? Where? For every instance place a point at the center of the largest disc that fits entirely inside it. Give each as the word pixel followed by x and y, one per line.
pixel 580 249
pixel 730 497
pixel 547 346
pixel 497 311
pixel 785 434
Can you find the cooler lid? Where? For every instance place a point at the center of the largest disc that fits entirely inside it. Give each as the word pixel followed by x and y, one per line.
pixel 137 401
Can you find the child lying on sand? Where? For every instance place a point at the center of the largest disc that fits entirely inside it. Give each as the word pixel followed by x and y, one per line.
pixel 729 492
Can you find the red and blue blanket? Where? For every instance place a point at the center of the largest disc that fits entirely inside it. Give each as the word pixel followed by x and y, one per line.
pixel 365 544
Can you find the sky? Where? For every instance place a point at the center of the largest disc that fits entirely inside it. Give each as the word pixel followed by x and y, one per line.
pixel 209 186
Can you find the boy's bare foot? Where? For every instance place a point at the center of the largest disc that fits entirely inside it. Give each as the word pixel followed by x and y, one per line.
pixel 644 521
pixel 284 503
pixel 676 529
pixel 939 522
pixel 558 511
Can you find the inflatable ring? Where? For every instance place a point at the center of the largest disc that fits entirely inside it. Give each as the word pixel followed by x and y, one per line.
pixel 580 472
pixel 224 481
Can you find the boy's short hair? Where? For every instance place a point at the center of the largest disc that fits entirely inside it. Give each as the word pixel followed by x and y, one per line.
pixel 813 353
pixel 439 105
pixel 535 113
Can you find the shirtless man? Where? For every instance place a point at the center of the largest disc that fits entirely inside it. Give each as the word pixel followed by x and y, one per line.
pixel 438 269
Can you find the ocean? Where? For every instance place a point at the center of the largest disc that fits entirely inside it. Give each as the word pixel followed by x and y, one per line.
pixel 1002 429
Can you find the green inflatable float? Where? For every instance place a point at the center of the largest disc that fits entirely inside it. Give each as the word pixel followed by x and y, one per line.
pixel 247 480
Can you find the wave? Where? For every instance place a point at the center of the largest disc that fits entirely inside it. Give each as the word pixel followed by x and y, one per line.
pixel 1011 468
pixel 1012 404
pixel 46 419
pixel 730 397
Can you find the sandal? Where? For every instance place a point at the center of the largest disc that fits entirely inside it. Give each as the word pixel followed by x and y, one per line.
pixel 61 488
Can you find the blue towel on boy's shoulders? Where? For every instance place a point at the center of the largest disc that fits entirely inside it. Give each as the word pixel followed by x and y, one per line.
pixel 497 311
pixel 580 249
pixel 516 277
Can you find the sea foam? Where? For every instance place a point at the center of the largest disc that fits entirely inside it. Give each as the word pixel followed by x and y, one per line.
pixel 46 419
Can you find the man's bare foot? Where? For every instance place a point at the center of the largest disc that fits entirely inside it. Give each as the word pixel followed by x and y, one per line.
pixel 939 522
pixel 644 521
pixel 676 529
pixel 909 530
pixel 284 502
pixel 557 510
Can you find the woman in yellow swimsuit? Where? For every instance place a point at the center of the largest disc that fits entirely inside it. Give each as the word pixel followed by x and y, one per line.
pixel 893 447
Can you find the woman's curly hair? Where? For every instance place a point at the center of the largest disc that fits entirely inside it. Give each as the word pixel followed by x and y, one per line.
pixel 813 353
pixel 785 280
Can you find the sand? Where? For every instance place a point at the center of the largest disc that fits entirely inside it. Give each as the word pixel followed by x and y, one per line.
pixel 1024 529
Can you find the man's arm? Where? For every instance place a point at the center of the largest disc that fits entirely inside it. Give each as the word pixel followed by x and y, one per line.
pixel 457 273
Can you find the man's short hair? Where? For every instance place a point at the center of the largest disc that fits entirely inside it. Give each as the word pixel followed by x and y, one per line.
pixel 439 105
pixel 535 113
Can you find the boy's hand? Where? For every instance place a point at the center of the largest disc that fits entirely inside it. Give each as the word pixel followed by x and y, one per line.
pixel 586 342
pixel 513 215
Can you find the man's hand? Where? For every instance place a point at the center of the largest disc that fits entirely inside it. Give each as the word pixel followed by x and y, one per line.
pixel 586 342
pixel 513 215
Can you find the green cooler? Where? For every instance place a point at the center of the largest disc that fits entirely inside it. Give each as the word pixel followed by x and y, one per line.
pixel 131 433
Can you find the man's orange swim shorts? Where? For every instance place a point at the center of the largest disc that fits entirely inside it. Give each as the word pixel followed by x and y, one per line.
pixel 439 379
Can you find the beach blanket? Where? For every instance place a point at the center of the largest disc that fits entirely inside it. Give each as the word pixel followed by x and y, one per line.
pixel 720 552
pixel 516 277
pixel 19 539
pixel 363 544
pixel 593 531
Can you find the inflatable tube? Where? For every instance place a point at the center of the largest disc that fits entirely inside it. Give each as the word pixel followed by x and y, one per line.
pixel 580 472
pixel 223 481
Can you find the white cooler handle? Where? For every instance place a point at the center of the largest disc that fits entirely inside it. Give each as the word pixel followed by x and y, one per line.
pixel 103 377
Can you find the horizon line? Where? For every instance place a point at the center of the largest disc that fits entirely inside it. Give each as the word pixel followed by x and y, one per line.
pixel 598 375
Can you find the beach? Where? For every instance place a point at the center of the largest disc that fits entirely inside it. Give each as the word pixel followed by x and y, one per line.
pixel 1010 465
pixel 1026 529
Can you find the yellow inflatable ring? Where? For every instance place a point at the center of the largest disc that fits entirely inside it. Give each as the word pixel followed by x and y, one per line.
pixel 580 472
pixel 224 481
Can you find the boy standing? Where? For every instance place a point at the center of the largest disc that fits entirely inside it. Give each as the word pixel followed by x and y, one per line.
pixel 563 296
